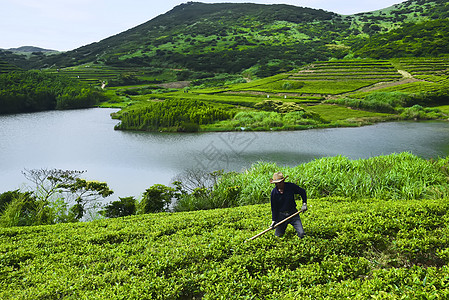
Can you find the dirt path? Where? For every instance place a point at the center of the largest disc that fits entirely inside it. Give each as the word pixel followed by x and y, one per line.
pixel 405 74
pixel 407 78
pixel 175 85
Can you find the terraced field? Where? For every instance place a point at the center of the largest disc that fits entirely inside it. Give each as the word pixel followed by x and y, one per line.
pixel 6 68
pixel 333 93
pixel 424 75
pixel 98 74
pixel 91 75
pixel 329 79
pixel 313 83
pixel 425 66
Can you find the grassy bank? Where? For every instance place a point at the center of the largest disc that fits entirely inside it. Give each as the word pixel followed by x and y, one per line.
pixel 402 176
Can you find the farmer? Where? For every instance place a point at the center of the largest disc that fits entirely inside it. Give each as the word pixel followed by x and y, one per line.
pixel 283 204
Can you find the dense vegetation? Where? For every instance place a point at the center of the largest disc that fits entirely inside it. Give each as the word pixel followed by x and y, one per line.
pixel 55 196
pixel 31 91
pixel 411 40
pixel 375 228
pixel 199 39
pixel 365 90
pixel 185 116
pixel 393 177
pixel 7 67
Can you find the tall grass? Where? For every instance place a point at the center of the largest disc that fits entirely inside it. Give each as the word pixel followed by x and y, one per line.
pixel 402 176
pixel 385 102
pixel 262 120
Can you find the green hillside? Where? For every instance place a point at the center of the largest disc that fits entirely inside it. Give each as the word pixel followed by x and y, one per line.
pixel 366 249
pixel 205 38
pixel 271 66
pixel 365 91
pixel 6 67
pixel 375 228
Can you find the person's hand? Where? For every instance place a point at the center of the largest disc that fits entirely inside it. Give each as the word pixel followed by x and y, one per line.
pixel 272 224
pixel 304 207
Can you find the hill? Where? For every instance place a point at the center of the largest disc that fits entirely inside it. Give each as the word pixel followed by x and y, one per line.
pixel 30 49
pixel 204 38
pixel 364 90
pixel 320 58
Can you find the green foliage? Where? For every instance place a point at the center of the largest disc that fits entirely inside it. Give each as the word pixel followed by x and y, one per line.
pixel 35 91
pixel 126 206
pixel 53 191
pixel 269 39
pixel 368 88
pixel 263 120
pixel 417 112
pixel 6 198
pixel 6 67
pixel 411 40
pixel 156 199
pixel 217 80
pixel 353 249
pixel 397 176
pixel 385 102
pixel 25 210
pixel 278 106
pixel 180 115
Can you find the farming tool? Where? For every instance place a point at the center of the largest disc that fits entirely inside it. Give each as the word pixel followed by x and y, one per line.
pixel 275 225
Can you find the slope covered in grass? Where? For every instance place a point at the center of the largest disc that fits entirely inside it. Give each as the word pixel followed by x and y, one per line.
pixel 381 232
pixel 365 91
pixel 360 249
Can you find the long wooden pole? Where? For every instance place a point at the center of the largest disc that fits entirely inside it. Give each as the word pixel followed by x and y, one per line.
pixel 276 225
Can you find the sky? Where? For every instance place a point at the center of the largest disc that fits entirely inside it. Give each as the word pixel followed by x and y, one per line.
pixel 68 24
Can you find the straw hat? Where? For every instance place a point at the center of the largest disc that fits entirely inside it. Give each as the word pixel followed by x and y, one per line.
pixel 278 177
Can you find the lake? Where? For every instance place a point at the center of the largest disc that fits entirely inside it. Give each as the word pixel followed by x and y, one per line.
pixel 131 162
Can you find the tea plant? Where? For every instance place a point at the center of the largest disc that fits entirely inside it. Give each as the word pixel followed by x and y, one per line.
pixel 362 249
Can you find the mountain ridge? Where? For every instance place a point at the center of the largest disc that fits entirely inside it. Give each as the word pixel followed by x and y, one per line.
pixel 29 49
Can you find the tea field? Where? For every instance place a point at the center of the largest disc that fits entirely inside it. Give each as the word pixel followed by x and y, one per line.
pixel 6 67
pixel 347 92
pixel 366 249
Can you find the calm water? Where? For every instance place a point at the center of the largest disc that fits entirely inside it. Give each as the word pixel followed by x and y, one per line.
pixel 131 162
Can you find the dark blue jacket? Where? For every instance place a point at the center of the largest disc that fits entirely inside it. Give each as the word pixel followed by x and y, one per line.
pixel 285 202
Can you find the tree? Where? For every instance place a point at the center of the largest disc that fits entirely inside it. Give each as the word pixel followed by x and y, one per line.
pixel 156 199
pixel 122 208
pixel 6 198
pixel 23 209
pixel 52 185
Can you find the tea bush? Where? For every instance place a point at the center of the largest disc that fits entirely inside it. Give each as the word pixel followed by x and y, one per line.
pixel 361 249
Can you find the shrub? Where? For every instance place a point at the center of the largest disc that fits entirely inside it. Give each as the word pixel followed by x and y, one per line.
pixel 417 112
pixel 278 106
pixel 156 199
pixel 25 210
pixel 180 115
pixel 122 208
pixel 385 102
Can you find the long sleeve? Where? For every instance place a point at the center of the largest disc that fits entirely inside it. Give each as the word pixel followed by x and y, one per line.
pixel 274 206
pixel 285 202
